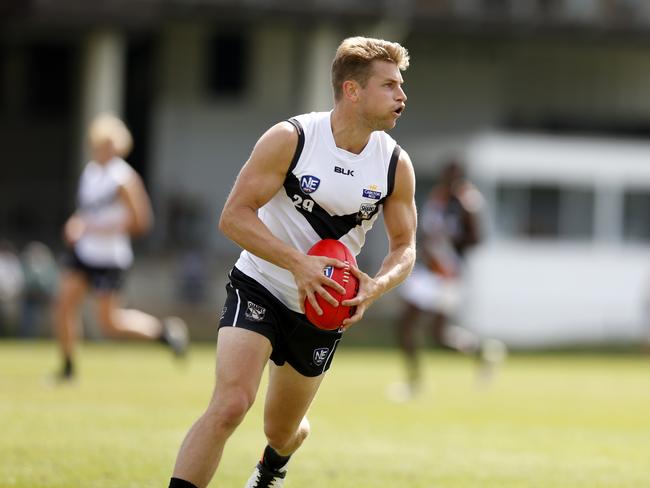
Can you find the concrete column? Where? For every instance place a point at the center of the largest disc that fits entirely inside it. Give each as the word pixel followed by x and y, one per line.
pixel 103 79
pixel 318 93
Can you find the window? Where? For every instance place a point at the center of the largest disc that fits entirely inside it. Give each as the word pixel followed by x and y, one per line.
pixel 636 216
pixel 49 79
pixel 227 66
pixel 3 79
pixel 547 211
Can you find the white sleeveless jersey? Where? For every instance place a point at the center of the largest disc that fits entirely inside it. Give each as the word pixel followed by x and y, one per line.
pixel 328 193
pixel 99 203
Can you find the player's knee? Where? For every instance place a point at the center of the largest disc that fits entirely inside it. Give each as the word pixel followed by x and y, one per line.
pixel 106 321
pixel 228 411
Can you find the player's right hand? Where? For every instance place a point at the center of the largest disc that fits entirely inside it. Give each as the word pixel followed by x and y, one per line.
pixel 73 230
pixel 310 280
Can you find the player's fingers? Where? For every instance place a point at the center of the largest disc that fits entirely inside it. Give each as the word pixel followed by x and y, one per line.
pixel 328 298
pixel 358 314
pixel 353 302
pixel 333 284
pixel 337 263
pixel 314 303
pixel 301 299
pixel 357 272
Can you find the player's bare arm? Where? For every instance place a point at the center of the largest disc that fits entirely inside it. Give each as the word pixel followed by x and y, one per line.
pixel 400 217
pixel 134 195
pixel 258 181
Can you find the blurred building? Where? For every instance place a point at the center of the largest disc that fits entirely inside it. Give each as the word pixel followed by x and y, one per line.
pixel 198 81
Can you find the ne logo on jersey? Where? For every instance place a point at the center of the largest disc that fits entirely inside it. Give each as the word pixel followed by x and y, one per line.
pixel 328 271
pixel 320 355
pixel 309 184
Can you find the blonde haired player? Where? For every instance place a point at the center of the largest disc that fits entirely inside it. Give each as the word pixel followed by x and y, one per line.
pixel 112 206
pixel 318 175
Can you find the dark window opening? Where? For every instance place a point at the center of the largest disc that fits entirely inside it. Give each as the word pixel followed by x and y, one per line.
pixel 636 216
pixel 227 67
pixel 49 80
pixel 545 211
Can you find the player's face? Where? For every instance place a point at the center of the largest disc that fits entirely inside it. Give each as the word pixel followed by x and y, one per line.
pixel 383 98
pixel 103 151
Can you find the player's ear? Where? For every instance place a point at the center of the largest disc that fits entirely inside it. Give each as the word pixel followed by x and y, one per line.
pixel 351 90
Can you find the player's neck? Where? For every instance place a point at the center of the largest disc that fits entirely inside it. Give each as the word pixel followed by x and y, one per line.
pixel 349 132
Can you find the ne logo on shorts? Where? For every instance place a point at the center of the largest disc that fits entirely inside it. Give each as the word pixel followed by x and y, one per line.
pixel 320 355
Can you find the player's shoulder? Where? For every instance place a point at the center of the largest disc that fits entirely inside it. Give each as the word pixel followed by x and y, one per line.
pixel 121 171
pixel 278 137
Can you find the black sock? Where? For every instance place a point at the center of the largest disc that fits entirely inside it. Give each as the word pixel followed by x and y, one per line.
pixel 68 368
pixel 179 483
pixel 272 460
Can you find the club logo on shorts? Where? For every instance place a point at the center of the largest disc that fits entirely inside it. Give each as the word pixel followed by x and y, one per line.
pixel 223 312
pixel 328 271
pixel 366 211
pixel 255 312
pixel 320 355
pixel 309 184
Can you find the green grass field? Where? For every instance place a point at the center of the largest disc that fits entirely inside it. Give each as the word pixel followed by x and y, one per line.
pixel 546 421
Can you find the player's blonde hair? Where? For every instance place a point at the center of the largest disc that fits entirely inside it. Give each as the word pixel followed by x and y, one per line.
pixel 108 127
pixel 354 58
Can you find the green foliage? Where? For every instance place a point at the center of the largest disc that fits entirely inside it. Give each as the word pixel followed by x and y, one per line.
pixel 545 421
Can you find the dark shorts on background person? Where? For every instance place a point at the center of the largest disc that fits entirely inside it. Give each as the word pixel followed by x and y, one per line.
pixel 100 278
pixel 294 339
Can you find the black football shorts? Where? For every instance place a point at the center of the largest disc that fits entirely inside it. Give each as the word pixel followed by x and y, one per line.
pixel 100 278
pixel 308 349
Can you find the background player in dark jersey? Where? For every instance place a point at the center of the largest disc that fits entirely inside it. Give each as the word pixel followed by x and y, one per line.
pixel 258 321
pixel 449 227
pixel 113 205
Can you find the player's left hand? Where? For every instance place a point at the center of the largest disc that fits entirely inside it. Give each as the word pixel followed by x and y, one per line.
pixel 368 292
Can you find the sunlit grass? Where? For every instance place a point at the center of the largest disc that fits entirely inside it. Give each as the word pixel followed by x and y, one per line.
pixel 545 421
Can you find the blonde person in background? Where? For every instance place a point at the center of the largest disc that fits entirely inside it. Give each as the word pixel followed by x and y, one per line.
pixel 112 206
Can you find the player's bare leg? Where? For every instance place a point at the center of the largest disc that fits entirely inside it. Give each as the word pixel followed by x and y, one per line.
pixel 72 291
pixel 241 358
pixel 407 338
pixel 489 352
pixel 288 398
pixel 134 324
pixel 407 326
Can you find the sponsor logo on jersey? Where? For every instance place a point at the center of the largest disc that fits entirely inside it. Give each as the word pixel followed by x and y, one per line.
pixel 328 271
pixel 343 171
pixel 320 355
pixel 366 210
pixel 309 184
pixel 255 312
pixel 368 193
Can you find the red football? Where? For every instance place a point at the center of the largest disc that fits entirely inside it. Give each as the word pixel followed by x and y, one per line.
pixel 333 317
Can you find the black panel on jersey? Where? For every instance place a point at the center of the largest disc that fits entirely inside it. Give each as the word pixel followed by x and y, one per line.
pixel 392 169
pixel 326 226
pixel 301 143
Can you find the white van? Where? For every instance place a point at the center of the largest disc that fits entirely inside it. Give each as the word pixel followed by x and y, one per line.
pixel 566 259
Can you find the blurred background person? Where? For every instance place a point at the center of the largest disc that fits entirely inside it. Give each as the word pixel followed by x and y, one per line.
pixel 113 205
pixel 448 227
pixel 11 286
pixel 40 276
